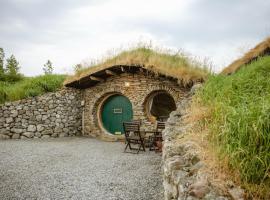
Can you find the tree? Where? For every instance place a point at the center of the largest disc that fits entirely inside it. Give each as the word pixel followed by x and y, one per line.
pixel 48 68
pixel 12 66
pixel 2 57
pixel 12 70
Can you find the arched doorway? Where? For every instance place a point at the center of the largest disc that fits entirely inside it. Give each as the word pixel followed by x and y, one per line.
pixel 159 105
pixel 115 110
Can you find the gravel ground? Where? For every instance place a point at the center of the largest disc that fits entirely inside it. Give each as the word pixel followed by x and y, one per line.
pixel 77 168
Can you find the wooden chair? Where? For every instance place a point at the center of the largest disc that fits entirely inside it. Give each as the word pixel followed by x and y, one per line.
pixel 157 136
pixel 138 121
pixel 163 118
pixel 133 135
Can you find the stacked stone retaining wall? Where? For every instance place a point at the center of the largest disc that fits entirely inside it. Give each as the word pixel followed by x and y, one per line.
pixel 50 115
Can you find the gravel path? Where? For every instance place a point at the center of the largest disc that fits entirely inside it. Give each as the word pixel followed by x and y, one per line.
pixel 77 168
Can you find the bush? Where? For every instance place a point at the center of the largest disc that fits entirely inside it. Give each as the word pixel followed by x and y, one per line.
pixel 30 87
pixel 11 78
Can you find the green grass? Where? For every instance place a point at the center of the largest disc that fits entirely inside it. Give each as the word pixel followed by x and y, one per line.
pixel 30 87
pixel 239 120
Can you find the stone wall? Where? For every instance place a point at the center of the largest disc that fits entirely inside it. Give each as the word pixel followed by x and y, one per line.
pixel 50 115
pixel 185 174
pixel 140 87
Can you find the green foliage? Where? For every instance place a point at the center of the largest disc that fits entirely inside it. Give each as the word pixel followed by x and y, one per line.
pixel 48 68
pixel 12 70
pixel 13 86
pixel 2 57
pixel 30 87
pixel 240 118
pixel 12 66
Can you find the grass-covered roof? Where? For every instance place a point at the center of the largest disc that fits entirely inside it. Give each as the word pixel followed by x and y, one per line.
pixel 261 49
pixel 178 66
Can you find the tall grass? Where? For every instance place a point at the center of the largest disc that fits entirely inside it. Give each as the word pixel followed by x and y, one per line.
pixel 30 87
pixel 239 119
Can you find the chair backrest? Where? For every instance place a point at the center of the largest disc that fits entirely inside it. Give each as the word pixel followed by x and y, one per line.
pixel 163 118
pixel 138 121
pixel 131 127
pixel 160 126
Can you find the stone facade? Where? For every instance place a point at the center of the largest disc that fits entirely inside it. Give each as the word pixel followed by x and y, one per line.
pixel 50 115
pixel 139 89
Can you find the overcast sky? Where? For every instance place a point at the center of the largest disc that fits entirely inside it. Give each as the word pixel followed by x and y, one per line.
pixel 72 31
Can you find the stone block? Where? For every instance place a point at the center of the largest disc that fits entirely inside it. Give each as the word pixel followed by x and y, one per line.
pixel 17 130
pixel 38 134
pixel 28 134
pixel 31 128
pixel 4 137
pixel 45 136
pixel 14 113
pixel 58 130
pixel 236 193
pixel 47 132
pixel 199 189
pixel 40 128
pixel 9 120
pixel 16 136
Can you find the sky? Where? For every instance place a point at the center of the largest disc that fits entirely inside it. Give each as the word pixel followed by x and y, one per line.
pixel 69 32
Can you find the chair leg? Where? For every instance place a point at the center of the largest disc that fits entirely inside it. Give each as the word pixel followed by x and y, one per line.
pixel 150 143
pixel 128 145
pixel 140 148
pixel 140 145
pixel 153 146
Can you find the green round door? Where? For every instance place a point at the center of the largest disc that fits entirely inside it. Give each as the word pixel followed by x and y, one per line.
pixel 116 110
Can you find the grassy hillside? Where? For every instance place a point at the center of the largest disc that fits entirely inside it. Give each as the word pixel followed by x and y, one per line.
pixel 30 87
pixel 178 65
pixel 238 119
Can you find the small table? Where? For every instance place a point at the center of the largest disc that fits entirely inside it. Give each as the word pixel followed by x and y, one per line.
pixel 152 137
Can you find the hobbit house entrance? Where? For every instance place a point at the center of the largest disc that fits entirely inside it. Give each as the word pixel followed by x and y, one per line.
pixel 116 110
pixel 122 93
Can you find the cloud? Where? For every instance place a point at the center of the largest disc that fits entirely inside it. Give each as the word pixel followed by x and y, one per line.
pixel 70 31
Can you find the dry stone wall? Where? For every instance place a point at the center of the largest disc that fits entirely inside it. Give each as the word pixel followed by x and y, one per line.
pixel 183 174
pixel 50 115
